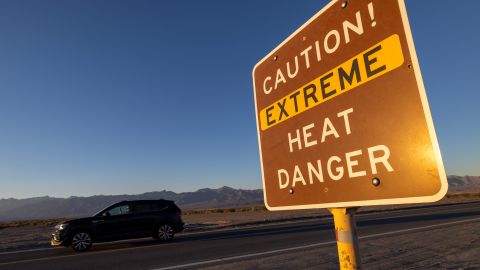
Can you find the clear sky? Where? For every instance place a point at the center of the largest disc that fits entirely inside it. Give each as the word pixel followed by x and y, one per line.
pixel 115 97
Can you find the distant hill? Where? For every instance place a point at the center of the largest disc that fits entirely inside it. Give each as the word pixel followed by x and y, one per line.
pixel 49 207
pixel 466 183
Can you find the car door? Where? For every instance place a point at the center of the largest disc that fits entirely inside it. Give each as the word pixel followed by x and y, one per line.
pixel 142 220
pixel 112 224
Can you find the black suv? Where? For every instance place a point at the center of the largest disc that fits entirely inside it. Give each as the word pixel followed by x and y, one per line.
pixel 160 219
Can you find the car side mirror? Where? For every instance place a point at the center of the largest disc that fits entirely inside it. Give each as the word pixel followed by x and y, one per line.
pixel 106 214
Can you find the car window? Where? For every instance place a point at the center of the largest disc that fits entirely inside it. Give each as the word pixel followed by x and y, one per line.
pixel 120 210
pixel 159 206
pixel 142 207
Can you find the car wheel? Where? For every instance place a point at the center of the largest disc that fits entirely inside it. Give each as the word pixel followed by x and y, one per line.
pixel 165 232
pixel 81 241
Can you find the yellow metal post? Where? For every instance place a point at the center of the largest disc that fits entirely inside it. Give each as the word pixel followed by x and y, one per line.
pixel 346 234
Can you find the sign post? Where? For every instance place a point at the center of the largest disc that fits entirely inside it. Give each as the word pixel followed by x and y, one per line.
pixel 342 116
pixel 346 235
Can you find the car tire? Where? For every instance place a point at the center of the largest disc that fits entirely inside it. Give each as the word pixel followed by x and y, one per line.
pixel 81 241
pixel 164 233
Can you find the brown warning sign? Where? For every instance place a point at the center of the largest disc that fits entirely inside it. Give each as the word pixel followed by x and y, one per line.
pixel 342 115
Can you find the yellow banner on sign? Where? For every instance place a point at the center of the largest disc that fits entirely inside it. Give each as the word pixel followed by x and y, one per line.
pixel 366 66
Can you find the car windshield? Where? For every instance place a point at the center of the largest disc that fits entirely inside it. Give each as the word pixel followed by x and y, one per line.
pixel 101 211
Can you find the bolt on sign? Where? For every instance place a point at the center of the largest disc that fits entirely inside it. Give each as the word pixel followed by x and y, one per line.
pixel 342 114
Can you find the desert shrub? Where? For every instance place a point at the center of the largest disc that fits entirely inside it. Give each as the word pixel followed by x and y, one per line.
pixel 225 210
pixel 35 222
pixel 463 195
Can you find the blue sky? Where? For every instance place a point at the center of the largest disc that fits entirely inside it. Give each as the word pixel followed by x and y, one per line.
pixel 115 97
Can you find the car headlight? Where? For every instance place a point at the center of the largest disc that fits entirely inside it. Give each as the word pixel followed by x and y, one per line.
pixel 61 226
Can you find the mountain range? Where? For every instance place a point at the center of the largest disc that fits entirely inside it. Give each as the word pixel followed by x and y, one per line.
pixel 50 207
pixel 463 184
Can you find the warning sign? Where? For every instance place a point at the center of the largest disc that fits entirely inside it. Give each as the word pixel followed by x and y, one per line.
pixel 342 115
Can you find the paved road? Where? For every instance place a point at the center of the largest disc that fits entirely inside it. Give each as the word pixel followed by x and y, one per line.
pixel 191 251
